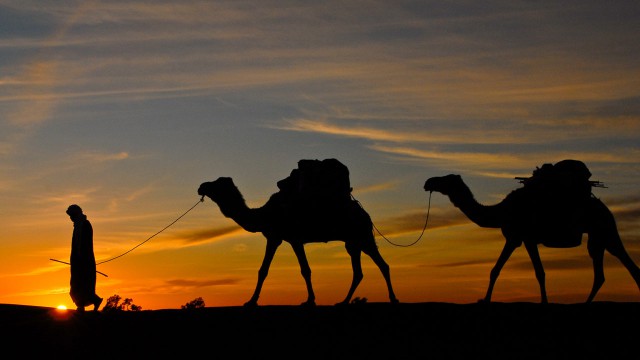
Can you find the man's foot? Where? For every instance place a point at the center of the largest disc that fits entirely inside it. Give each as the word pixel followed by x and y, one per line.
pixel 96 305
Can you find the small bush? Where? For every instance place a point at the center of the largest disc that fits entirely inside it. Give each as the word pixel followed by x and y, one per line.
pixel 358 300
pixel 196 303
pixel 113 304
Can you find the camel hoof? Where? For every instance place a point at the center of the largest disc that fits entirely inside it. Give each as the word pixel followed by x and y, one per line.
pixel 251 304
pixel 395 301
pixel 342 303
pixel 308 303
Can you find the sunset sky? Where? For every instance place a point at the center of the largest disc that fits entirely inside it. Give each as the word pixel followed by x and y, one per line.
pixel 125 107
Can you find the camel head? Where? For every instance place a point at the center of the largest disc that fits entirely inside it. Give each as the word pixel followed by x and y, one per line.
pixel 443 184
pixel 217 189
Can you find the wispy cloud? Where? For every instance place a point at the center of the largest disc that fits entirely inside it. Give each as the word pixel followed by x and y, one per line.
pixel 195 284
pixel 62 166
pixel 415 222
pixel 494 164
pixel 444 133
pixel 75 197
pixel 199 236
pixel 377 187
pixel 566 263
pixel 34 101
pixel 177 285
pixel 366 132
pixel 93 157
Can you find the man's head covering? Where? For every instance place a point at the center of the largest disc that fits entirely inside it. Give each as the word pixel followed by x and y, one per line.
pixel 74 210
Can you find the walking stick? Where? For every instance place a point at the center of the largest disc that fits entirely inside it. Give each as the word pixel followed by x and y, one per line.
pixel 64 262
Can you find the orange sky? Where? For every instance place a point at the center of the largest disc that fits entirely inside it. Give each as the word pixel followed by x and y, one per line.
pixel 126 107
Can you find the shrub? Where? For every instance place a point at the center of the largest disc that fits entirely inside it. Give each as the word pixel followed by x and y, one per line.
pixel 196 303
pixel 113 304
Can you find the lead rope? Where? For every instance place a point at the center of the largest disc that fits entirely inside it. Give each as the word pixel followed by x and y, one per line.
pixel 150 237
pixel 419 237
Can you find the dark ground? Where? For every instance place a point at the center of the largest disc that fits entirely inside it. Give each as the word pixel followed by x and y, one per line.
pixel 601 330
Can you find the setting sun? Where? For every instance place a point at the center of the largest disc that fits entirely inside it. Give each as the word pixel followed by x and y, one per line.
pixel 61 307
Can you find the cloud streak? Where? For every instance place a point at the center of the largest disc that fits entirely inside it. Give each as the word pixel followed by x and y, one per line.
pixel 207 235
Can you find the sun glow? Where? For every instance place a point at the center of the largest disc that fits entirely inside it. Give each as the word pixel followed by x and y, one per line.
pixel 61 307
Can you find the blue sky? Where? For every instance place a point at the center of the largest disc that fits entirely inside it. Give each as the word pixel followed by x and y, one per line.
pixel 125 107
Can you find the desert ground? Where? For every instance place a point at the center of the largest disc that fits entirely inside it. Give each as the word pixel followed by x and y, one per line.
pixel 604 330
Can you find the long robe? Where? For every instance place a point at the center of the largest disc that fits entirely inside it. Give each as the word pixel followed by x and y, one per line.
pixel 83 264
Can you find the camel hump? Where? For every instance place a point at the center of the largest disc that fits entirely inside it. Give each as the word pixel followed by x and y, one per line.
pixel 321 179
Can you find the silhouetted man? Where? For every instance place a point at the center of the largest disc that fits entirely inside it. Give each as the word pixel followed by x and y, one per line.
pixel 83 261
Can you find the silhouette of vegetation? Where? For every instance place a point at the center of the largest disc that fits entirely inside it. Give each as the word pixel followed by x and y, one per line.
pixel 196 303
pixel 358 300
pixel 113 304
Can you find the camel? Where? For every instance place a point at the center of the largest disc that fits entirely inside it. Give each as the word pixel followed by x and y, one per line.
pixel 526 216
pixel 282 219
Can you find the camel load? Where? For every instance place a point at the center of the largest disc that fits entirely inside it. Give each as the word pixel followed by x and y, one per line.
pixel 566 179
pixel 318 183
pixel 557 196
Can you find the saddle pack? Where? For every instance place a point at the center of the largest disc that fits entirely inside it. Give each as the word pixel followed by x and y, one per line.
pixel 319 181
pixel 555 199
pixel 566 179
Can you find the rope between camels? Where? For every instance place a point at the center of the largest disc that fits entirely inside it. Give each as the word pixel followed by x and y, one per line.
pixel 419 237
pixel 150 237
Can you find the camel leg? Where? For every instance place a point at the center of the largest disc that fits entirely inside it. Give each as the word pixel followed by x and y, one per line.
pixel 616 249
pixel 272 246
pixel 384 268
pixel 630 265
pixel 357 273
pixel 603 234
pixel 305 270
pixel 532 249
pixel 596 251
pixel 507 250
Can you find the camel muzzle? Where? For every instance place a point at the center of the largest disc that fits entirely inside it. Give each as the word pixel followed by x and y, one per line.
pixel 202 190
pixel 428 186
